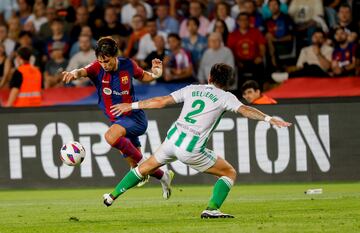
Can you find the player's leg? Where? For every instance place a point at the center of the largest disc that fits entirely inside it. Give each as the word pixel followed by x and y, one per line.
pixel 222 187
pixel 134 176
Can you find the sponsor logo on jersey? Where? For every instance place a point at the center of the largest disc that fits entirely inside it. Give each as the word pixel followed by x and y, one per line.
pixel 125 80
pixel 104 81
pixel 107 91
pixel 126 92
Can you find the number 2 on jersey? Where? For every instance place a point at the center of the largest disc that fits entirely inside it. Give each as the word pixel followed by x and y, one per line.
pixel 198 106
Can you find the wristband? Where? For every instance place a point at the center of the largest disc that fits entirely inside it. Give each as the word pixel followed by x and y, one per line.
pixel 135 105
pixel 158 73
pixel 267 118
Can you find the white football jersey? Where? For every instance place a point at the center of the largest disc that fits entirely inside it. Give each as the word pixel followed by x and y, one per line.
pixel 203 108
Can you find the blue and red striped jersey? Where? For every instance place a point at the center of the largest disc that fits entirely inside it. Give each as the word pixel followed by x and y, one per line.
pixel 115 87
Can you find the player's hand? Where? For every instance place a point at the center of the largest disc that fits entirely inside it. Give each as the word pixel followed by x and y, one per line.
pixel 119 109
pixel 157 67
pixel 279 123
pixel 68 76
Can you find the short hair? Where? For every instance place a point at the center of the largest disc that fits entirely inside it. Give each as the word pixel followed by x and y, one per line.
pixel 57 20
pixel 277 1
pixel 25 33
pixel 242 14
pixel 248 85
pixel 174 35
pixel 221 74
pixel 152 19
pixel 195 20
pixel 345 5
pixel 24 53
pixel 319 30
pixel 106 46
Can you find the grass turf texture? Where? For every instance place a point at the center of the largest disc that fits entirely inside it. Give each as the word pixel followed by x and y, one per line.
pixel 257 208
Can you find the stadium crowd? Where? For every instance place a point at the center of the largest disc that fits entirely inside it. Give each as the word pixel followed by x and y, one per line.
pixel 317 38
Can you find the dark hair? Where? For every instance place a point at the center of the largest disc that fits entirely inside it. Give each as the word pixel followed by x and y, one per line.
pixel 152 19
pixel 242 14
pixel 24 53
pixel 106 46
pixel 319 30
pixel 250 84
pixel 174 35
pixel 226 30
pixel 57 20
pixel 195 20
pixel 25 33
pixel 345 5
pixel 221 74
pixel 224 4
pixel 277 1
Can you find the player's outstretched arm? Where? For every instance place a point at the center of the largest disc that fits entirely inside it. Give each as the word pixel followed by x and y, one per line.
pixel 157 102
pixel 256 114
pixel 156 71
pixel 68 76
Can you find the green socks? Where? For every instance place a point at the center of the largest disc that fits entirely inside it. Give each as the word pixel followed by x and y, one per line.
pixel 221 189
pixel 132 178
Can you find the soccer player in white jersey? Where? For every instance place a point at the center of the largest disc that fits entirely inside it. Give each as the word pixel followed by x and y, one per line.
pixel 186 140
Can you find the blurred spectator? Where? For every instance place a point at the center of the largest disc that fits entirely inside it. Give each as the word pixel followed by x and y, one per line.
pixel 45 29
pixel 5 67
pixel 57 30
pixel 38 17
pixel 14 27
pixel 8 43
pixel 307 16
pixel 160 53
pixel 278 32
pixel 96 15
pixel 55 66
pixel 146 44
pixel 25 84
pixel 25 9
pixel 195 43
pixel 140 9
pixel 221 28
pixel 26 40
pixel 8 8
pixel 252 94
pixel 314 60
pixel 85 31
pixel 82 58
pixel 196 9
pixel 82 19
pixel 330 7
pixel 129 10
pixel 63 9
pixel 248 47
pixel 222 10
pixel 237 8
pixel 255 18
pixel 343 57
pixel 112 25
pixel 265 10
pixel 165 22
pixel 179 68
pixel 138 31
pixel 216 53
pixel 345 21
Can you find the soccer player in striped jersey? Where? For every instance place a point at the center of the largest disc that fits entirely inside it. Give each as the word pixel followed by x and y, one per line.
pixel 186 140
pixel 113 78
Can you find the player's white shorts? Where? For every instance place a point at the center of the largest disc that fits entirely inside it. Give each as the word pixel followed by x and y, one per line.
pixel 200 161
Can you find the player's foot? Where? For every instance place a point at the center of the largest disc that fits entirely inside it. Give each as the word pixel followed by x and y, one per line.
pixel 215 214
pixel 143 181
pixel 166 183
pixel 108 200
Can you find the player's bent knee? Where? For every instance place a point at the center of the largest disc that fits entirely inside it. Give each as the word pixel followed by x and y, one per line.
pixel 231 173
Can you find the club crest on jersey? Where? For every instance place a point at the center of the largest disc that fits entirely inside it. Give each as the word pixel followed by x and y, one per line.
pixel 124 80
pixel 107 91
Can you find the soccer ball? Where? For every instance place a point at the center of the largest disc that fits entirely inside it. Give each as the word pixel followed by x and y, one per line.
pixel 72 153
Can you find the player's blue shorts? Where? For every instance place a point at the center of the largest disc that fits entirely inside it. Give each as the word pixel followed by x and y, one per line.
pixel 135 125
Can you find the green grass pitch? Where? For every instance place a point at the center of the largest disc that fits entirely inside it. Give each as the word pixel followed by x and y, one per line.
pixel 258 208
